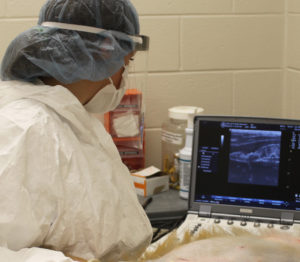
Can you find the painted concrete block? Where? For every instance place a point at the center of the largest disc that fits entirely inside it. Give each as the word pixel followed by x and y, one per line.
pixel 212 91
pixel 292 104
pixel 164 42
pixel 242 42
pixel 259 6
pixel 28 8
pixel 294 6
pixel 232 42
pixel 293 41
pixel 153 147
pixel 167 7
pixel 2 8
pixel 258 93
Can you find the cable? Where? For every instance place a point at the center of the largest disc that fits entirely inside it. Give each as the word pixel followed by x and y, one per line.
pixel 169 226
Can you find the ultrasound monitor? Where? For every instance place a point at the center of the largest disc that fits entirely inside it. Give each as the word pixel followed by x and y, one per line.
pixel 241 163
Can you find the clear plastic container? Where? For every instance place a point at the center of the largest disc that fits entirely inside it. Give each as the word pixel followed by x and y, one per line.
pixel 173 139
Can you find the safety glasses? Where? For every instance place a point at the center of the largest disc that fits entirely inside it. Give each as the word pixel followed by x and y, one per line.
pixel 141 41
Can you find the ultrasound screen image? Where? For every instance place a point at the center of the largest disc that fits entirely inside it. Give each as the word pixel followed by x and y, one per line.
pixel 254 157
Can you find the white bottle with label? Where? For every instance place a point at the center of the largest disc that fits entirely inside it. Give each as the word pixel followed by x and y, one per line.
pixel 185 160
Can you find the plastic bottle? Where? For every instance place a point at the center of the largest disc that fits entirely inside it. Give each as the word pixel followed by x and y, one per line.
pixel 185 159
pixel 173 139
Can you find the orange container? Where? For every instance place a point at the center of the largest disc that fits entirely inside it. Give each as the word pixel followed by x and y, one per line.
pixel 131 146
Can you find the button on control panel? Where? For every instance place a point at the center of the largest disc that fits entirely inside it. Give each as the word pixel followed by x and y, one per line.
pixel 230 222
pixel 247 224
pixel 243 223
pixel 256 224
pixel 285 227
pixel 217 221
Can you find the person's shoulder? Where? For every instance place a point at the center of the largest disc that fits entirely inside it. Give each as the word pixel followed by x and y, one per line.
pixel 29 116
pixel 26 110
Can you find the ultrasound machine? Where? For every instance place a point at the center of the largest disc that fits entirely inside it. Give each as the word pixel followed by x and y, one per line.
pixel 245 173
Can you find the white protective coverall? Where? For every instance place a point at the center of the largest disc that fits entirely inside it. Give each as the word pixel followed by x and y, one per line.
pixel 63 185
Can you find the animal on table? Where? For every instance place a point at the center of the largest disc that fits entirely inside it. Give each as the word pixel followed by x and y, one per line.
pixel 210 246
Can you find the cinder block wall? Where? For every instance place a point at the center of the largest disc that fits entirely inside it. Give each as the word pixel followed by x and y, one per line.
pixel 16 16
pixel 224 55
pixel 228 56
pixel 292 61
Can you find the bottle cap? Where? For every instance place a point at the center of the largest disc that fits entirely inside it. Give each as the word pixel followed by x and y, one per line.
pixel 191 119
pixel 182 112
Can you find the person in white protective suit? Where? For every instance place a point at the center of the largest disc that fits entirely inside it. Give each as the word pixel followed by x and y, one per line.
pixel 64 188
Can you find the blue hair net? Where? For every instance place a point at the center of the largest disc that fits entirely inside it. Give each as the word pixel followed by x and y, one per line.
pixel 68 55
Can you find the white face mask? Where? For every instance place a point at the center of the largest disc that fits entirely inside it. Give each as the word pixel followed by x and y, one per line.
pixel 108 98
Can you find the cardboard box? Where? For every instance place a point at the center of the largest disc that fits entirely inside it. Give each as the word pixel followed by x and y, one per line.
pixel 150 181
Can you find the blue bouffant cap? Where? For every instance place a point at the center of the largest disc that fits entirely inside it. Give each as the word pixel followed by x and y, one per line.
pixel 72 55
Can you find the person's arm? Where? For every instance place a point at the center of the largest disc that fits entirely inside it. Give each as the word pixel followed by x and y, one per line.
pixel 34 255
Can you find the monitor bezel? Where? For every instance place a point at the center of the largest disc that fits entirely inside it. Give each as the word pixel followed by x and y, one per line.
pixel 259 212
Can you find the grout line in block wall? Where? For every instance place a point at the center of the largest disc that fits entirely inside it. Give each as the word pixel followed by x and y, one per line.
pixel 211 14
pixel 173 15
pixel 18 18
pixel 233 93
pixel 245 70
pixel 191 15
pixel 182 14
pixel 177 14
pixel 180 44
pixel 293 69
pixel 152 129
pixel 285 63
